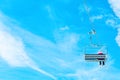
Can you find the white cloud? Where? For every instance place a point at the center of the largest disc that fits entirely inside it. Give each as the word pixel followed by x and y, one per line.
pixel 64 28
pixel 12 47
pixel 50 12
pixel 115 5
pixel 118 37
pixel 93 18
pixel 67 42
pixel 96 73
pixel 110 22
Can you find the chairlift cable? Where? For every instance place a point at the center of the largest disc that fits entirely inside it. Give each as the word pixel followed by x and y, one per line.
pixel 92 26
pixel 87 11
pixel 90 20
pixel 91 33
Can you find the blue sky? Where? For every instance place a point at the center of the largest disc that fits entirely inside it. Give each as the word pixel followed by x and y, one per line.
pixel 45 40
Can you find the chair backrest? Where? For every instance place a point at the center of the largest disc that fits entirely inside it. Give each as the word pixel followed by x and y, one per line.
pixel 95 57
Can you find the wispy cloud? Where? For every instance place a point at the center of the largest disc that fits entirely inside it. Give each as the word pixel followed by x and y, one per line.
pixel 110 22
pixel 118 37
pixel 12 48
pixel 116 9
pixel 50 12
pixel 98 17
pixel 66 41
pixel 64 28
pixel 98 73
pixel 115 5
